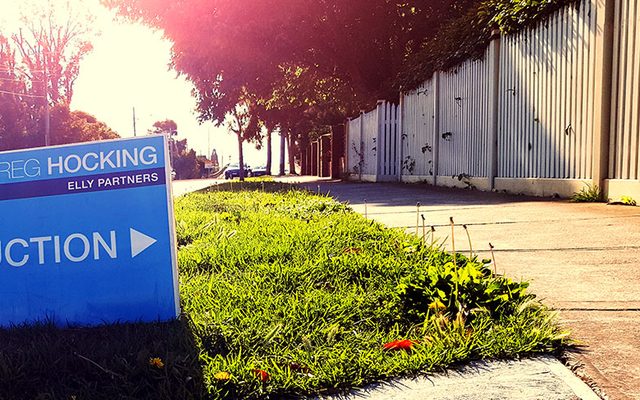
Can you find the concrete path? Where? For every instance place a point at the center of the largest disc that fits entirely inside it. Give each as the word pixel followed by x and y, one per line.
pixel 540 378
pixel 580 258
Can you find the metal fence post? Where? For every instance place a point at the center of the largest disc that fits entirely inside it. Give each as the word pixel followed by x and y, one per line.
pixel 379 139
pixel 495 48
pixel 347 135
pixel 436 125
pixel 603 83
pixel 361 160
pixel 399 127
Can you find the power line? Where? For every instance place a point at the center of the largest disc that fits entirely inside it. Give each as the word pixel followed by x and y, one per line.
pixel 21 94
pixel 5 69
pixel 31 71
pixel 18 80
pixel 19 70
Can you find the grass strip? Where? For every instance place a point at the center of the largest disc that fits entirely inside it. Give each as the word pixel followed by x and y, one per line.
pixel 286 293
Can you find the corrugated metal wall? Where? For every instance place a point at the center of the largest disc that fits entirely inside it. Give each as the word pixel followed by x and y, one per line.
pixel 388 141
pixel 624 147
pixel 417 131
pixel 372 139
pixel 546 106
pixel 354 146
pixel 464 99
pixel 547 97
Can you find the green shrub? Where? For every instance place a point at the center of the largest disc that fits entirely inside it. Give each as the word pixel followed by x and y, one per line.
pixel 468 288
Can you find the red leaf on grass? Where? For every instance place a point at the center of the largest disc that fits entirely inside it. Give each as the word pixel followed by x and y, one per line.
pixel 404 344
pixel 261 374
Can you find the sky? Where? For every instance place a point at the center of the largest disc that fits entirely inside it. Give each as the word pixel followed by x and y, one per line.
pixel 129 68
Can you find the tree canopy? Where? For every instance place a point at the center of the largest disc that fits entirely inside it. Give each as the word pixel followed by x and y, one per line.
pixel 39 63
pixel 22 108
pixel 77 126
pixel 349 51
pixel 168 126
pixel 184 160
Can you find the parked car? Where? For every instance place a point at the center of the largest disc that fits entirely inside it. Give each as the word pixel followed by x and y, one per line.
pixel 233 171
pixel 259 171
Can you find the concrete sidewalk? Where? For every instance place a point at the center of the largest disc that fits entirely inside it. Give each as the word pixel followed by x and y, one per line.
pixel 579 258
pixel 538 378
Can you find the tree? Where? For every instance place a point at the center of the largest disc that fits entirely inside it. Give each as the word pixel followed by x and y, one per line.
pixel 54 37
pixel 20 111
pixel 245 125
pixel 77 126
pixel 39 64
pixel 167 127
pixel 17 125
pixel 185 162
pixel 170 128
pixel 269 151
pixel 215 161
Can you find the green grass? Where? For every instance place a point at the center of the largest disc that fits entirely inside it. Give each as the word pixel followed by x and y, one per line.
pixel 588 194
pixel 296 285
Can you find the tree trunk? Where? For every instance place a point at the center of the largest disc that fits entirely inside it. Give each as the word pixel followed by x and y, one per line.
pixel 292 154
pixel 282 150
pixel 240 156
pixel 269 152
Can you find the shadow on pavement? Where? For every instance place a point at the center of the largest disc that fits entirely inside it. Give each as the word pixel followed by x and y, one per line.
pixel 402 194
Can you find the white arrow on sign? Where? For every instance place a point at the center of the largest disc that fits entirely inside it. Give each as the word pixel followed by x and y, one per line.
pixel 139 242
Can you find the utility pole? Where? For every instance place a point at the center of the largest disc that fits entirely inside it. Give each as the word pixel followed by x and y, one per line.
pixel 47 114
pixel 134 121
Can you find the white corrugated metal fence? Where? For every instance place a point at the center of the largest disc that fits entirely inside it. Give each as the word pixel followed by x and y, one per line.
pixel 417 132
pixel 547 99
pixel 624 162
pixel 464 98
pixel 530 109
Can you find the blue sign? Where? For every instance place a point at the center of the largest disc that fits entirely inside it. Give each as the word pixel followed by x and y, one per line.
pixel 87 234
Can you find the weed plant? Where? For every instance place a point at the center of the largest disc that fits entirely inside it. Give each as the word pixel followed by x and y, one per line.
pixel 628 201
pixel 287 293
pixel 588 194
